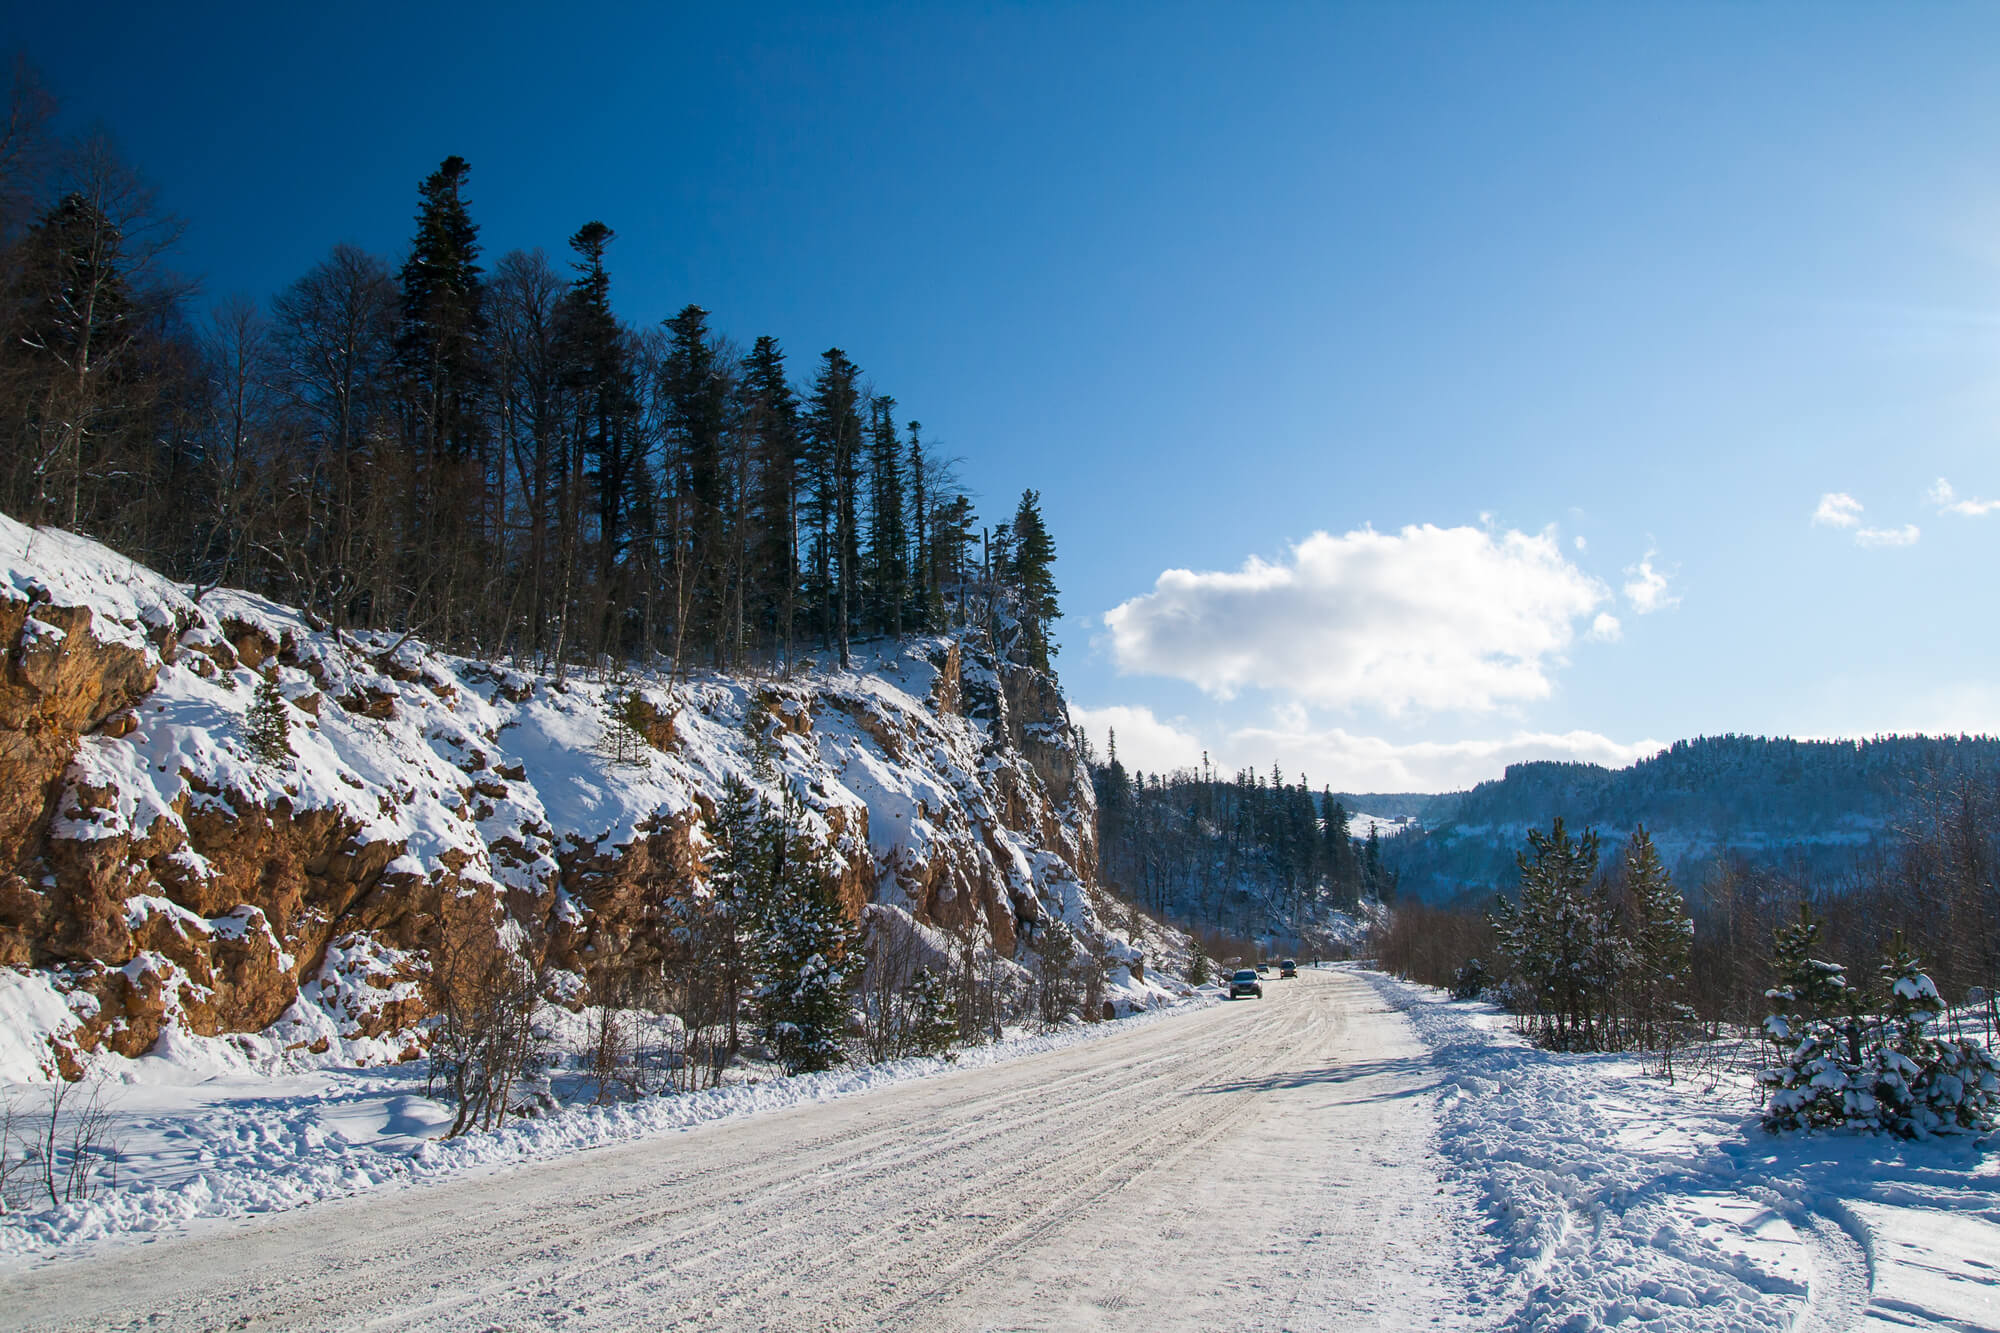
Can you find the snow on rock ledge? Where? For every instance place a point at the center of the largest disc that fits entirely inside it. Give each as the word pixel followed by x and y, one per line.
pixel 156 880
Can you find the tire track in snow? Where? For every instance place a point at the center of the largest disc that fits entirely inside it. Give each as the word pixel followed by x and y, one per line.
pixel 957 1198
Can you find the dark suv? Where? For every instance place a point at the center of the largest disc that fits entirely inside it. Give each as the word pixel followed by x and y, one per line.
pixel 1288 968
pixel 1245 983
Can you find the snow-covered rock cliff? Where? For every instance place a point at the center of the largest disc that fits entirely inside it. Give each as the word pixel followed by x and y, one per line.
pixel 158 878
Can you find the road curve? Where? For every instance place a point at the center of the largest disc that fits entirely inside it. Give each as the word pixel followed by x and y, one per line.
pixel 1257 1164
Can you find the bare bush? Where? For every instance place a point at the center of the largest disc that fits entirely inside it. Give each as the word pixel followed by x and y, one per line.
pixel 16 1153
pixel 486 980
pixel 65 1145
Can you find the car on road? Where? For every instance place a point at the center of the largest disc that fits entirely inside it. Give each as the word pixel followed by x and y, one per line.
pixel 1289 968
pixel 1245 982
pixel 1263 969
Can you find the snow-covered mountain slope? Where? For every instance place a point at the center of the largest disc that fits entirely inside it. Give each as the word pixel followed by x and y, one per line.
pixel 159 878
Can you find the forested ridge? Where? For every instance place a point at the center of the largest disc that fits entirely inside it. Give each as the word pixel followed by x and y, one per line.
pixel 483 451
pixel 1817 804
pixel 1242 856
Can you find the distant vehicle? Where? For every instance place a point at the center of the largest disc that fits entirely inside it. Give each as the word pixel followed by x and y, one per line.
pixel 1288 968
pixel 1263 969
pixel 1245 983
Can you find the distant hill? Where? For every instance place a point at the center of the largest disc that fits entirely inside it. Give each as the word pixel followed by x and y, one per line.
pixel 1814 805
pixel 1417 805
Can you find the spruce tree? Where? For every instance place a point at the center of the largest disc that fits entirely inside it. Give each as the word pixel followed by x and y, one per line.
pixel 1340 855
pixel 770 415
pixel 442 351
pixel 1925 1084
pixel 888 530
pixel 833 438
pixel 1560 937
pixel 1031 562
pixel 742 851
pixel 807 951
pixel 1662 936
pixel 597 369
pixel 933 1014
pixel 441 344
pixel 267 725
pixel 923 607
pixel 694 398
pixel 622 718
pixel 1817 1081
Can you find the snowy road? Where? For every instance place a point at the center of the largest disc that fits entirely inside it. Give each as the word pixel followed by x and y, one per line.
pixel 1257 1164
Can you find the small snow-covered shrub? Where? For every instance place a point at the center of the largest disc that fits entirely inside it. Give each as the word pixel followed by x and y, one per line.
pixel 1471 980
pixel 1926 1084
pixel 1899 1077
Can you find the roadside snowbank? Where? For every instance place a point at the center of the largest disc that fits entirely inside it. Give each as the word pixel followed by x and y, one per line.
pixel 1616 1200
pixel 237 1144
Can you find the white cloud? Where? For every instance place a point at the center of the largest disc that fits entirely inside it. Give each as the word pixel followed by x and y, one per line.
pixel 1348 762
pixel 1430 618
pixel 1904 536
pixel 1606 628
pixel 1581 544
pixel 1145 743
pixel 1837 510
pixel 1646 587
pixel 1339 759
pixel 1948 502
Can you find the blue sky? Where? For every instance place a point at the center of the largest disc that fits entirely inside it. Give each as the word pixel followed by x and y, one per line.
pixel 1454 286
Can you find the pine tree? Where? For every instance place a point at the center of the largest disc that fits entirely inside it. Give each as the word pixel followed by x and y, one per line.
pixel 888 531
pixel 1560 937
pixel 623 718
pixel 1031 562
pixel 923 592
pixel 1662 936
pixel 770 414
pixel 1814 1029
pixel 807 952
pixel 267 725
pixel 1925 1084
pixel 441 344
pixel 833 437
pixel 610 451
pixel 933 1014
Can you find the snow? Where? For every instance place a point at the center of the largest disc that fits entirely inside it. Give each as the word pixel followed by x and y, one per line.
pixel 1223 1166
pixel 1360 825
pixel 1392 1159
pixel 1613 1199
pixel 206 1131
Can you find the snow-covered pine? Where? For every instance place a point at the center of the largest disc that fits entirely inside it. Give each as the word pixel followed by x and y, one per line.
pixel 1924 1083
pixel 1817 1080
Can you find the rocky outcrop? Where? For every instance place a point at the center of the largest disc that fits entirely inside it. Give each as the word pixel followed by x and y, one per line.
pixel 163 875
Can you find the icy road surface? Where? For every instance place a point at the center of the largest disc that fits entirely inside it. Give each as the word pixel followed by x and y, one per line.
pixel 1255 1164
